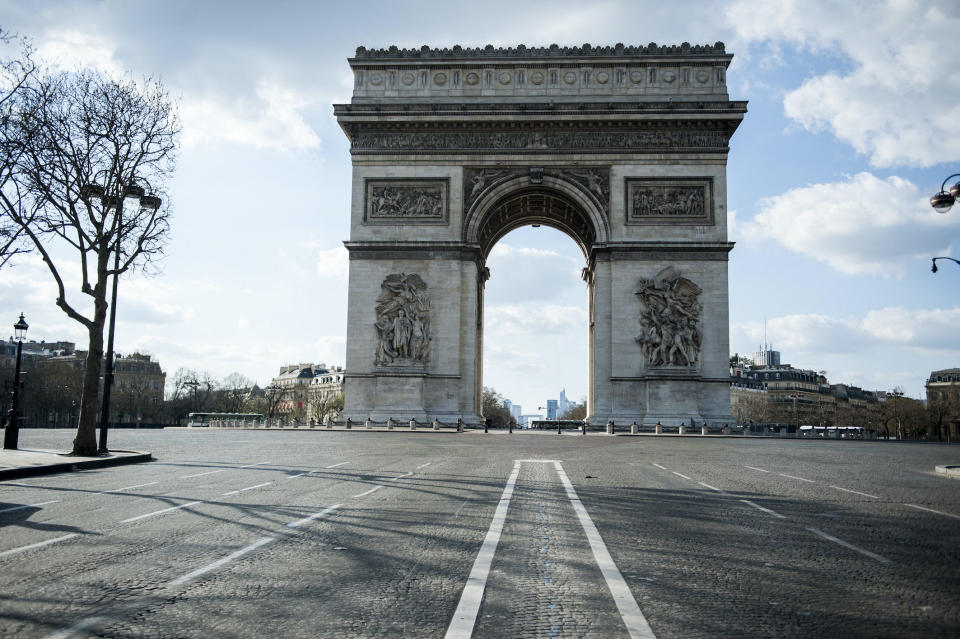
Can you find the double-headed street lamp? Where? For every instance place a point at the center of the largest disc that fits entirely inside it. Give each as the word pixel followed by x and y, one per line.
pixel 942 202
pixel 12 434
pixel 146 203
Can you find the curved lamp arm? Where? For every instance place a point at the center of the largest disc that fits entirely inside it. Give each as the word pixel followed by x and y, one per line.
pixel 934 267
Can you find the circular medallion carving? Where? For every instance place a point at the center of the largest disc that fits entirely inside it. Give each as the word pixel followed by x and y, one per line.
pixel 669 76
pixel 536 77
pixel 603 77
pixel 376 79
pixel 569 77
pixel 636 77
pixel 440 79
pixel 702 76
pixel 505 78
pixel 472 78
pixel 408 79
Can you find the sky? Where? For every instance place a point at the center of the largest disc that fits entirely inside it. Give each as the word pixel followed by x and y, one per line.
pixel 851 126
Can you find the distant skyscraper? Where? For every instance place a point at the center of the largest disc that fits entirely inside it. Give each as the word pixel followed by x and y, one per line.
pixel 766 357
pixel 551 409
pixel 564 404
pixel 516 410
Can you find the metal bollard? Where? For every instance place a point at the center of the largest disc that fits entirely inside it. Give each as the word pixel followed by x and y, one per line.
pixel 634 428
pixel 610 427
pixel 558 427
pixel 703 429
pixel 390 423
pixel 659 429
pixel 413 423
pixel 436 424
pixel 349 423
pixel 368 424
pixel 683 429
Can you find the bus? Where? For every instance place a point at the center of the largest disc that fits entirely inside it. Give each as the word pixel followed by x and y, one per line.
pixel 225 420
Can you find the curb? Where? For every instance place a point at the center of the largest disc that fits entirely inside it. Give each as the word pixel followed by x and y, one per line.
pixel 67 467
pixel 949 471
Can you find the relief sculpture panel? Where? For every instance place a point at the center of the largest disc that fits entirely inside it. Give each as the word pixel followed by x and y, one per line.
pixel 406 201
pixel 403 322
pixel 670 319
pixel 670 201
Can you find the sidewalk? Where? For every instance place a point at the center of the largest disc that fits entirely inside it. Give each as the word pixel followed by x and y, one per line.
pixel 16 464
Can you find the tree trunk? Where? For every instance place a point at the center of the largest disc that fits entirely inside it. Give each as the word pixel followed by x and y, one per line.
pixel 85 443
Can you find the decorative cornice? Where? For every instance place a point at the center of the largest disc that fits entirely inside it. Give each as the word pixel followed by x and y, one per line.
pixel 553 51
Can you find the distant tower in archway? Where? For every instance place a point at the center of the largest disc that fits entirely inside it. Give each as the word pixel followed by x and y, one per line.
pixel 624 149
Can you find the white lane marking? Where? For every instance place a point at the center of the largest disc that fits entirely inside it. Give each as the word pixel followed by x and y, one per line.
pixel 855 492
pixel 846 544
pixel 374 489
pixel 336 465
pixel 117 490
pixel 680 475
pixel 722 492
pixel 660 467
pixel 402 476
pixel 931 510
pixel 80 626
pixel 39 544
pixel 317 515
pixel 243 490
pixel 761 508
pixel 220 562
pixel 423 465
pixel 636 623
pixel 257 464
pixel 535 461
pixel 159 512
pixel 809 481
pixel 762 470
pixel 206 473
pixel 42 503
pixel 300 475
pixel 465 616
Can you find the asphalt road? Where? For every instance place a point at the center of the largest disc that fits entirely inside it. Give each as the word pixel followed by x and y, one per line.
pixel 355 534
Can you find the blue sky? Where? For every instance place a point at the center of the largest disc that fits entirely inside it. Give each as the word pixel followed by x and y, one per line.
pixel 851 127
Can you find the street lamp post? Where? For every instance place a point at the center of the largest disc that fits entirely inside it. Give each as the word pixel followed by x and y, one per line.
pixel 942 202
pixel 145 202
pixel 12 434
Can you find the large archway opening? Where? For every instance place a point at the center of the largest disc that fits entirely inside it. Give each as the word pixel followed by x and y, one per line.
pixel 535 331
pixel 535 321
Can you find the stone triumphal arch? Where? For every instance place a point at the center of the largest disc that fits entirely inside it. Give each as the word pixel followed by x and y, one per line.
pixel 624 149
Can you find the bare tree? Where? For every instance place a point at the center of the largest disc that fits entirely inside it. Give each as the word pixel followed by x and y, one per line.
pixel 93 155
pixel 233 393
pixel 15 75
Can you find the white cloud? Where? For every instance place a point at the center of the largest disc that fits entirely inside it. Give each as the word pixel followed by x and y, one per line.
pixel 272 121
pixel 69 49
pixel 533 319
pixel 898 100
pixel 333 263
pixel 922 339
pixel 861 225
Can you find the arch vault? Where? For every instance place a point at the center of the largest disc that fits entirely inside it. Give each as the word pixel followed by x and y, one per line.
pixel 622 148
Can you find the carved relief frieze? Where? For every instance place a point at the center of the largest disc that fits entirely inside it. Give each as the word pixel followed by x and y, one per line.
pixel 669 319
pixel 402 201
pixel 523 141
pixel 403 322
pixel 670 201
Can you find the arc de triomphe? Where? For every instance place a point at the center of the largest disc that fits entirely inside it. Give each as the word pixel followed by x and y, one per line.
pixel 624 149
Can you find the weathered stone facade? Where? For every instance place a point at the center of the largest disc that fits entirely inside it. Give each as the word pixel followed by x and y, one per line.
pixel 622 148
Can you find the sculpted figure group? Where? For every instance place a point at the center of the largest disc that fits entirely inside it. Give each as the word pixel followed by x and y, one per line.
pixel 403 321
pixel 669 318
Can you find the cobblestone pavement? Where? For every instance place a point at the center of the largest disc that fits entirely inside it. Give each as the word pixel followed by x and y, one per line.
pixel 339 534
